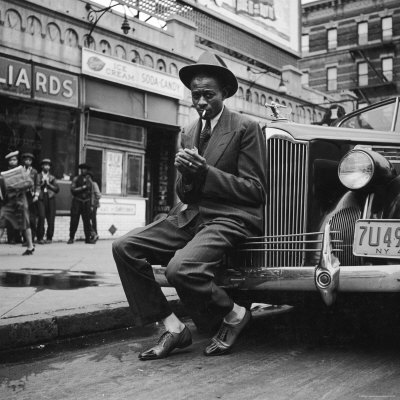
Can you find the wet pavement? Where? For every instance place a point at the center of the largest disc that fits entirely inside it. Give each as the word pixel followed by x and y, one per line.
pixel 61 290
pixel 301 355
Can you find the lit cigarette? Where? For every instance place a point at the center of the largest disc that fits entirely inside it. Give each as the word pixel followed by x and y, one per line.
pixel 203 114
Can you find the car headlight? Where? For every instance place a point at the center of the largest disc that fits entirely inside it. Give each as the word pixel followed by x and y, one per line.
pixel 365 169
pixel 356 169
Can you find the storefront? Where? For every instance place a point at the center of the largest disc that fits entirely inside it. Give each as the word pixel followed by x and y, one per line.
pixel 39 114
pixel 131 128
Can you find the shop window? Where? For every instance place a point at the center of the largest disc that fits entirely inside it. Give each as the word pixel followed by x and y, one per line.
pixel 362 74
pixel 116 132
pixel 387 28
pixel 332 38
pixel 362 32
pixel 331 74
pixel 305 44
pixel 43 130
pixel 134 179
pixel 387 68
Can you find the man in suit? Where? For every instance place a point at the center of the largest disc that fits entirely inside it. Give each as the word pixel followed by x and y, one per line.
pixel 48 188
pixel 81 189
pixel 221 184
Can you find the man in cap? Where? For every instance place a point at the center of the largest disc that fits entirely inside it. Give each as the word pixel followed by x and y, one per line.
pixel 14 209
pixel 32 194
pixel 222 183
pixel 81 190
pixel 48 188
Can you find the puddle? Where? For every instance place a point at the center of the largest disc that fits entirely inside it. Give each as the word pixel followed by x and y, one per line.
pixel 56 279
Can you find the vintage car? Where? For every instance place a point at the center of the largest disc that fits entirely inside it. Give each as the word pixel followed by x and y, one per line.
pixel 332 217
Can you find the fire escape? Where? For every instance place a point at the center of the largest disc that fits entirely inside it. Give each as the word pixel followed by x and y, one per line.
pixel 378 84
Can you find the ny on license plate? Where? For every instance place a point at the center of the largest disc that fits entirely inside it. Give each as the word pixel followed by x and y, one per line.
pixel 377 238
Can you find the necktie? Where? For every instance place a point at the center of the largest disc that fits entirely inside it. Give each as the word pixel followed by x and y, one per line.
pixel 205 135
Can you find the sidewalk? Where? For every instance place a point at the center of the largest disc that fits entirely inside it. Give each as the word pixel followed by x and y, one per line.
pixel 61 291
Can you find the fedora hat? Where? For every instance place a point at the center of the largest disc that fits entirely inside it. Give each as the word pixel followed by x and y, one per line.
pixel 212 64
pixel 83 166
pixel 46 161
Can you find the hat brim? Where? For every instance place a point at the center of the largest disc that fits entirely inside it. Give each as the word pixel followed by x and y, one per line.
pixel 83 166
pixel 228 79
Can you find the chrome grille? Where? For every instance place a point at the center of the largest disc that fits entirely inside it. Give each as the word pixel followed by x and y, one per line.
pixel 343 222
pixel 285 212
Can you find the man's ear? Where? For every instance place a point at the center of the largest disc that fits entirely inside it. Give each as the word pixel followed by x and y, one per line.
pixel 225 92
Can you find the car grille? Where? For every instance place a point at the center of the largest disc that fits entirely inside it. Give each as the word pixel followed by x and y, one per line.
pixel 285 212
pixel 343 223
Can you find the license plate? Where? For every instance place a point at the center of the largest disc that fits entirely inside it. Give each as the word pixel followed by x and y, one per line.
pixel 377 238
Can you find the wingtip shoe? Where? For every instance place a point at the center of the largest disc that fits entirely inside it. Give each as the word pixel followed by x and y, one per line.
pixel 167 342
pixel 226 337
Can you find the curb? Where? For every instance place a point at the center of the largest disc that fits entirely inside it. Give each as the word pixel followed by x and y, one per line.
pixel 41 328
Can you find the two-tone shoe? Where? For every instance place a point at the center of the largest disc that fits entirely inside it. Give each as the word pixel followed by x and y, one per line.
pixel 167 342
pixel 223 341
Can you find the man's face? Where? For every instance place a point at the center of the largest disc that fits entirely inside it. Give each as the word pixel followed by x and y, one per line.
pixel 207 95
pixel 45 168
pixel 13 162
pixel 84 171
pixel 27 161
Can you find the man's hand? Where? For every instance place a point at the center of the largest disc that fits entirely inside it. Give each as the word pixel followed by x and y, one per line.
pixel 190 163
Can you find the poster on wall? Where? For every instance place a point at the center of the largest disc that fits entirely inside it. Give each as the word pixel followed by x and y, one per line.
pixel 113 172
pixel 277 21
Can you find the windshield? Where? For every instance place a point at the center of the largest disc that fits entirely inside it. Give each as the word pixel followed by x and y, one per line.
pixel 379 118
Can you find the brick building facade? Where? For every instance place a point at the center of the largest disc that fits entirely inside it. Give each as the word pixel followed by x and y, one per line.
pixel 352 45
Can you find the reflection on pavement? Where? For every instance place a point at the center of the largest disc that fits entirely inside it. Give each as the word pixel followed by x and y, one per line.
pixel 57 279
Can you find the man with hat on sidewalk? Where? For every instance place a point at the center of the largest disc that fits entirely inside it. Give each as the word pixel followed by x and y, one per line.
pixel 14 207
pixel 81 189
pixel 48 188
pixel 221 184
pixel 32 194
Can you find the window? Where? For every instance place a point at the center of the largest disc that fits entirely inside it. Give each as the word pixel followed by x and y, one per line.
pixel 362 74
pixel 305 78
pixel 332 78
pixel 332 38
pixel 387 68
pixel 117 172
pixel 363 33
pixel 387 28
pixel 305 43
pixel 379 118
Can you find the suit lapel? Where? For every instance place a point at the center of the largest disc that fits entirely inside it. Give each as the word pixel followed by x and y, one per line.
pixel 220 138
pixel 191 139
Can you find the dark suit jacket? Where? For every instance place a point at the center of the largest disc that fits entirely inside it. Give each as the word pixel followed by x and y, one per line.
pixel 235 184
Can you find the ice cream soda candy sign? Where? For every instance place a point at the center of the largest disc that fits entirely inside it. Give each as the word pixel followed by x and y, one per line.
pixel 130 74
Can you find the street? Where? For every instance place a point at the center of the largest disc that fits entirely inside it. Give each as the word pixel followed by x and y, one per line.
pixel 293 355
